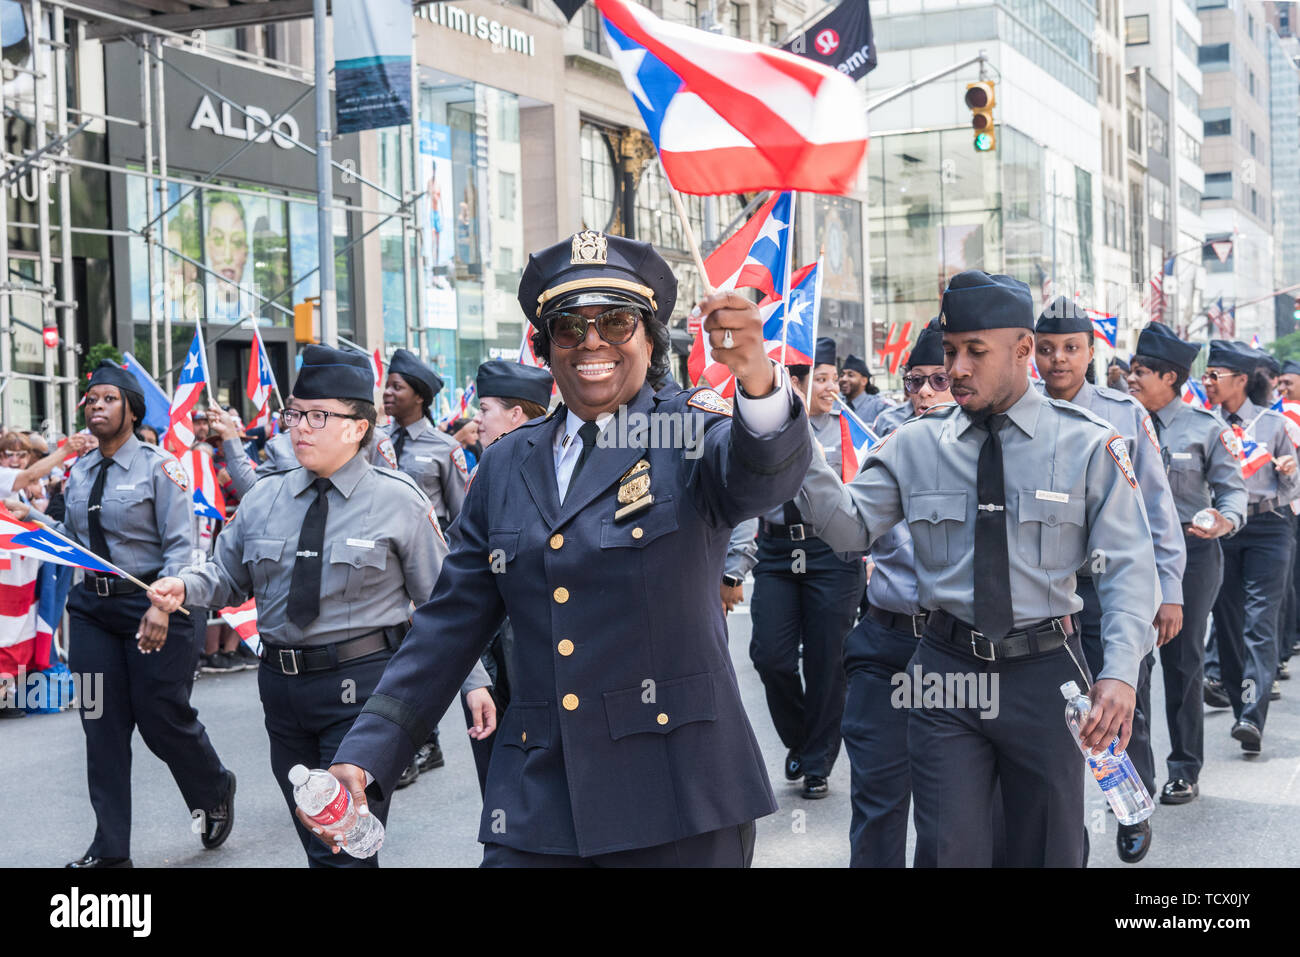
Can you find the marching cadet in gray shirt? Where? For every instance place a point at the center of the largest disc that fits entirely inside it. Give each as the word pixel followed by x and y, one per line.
pixel 742 555
pixel 1204 475
pixel 243 475
pixel 1063 351
pixel 1069 492
pixel 1256 558
pixel 333 607
pixel 861 396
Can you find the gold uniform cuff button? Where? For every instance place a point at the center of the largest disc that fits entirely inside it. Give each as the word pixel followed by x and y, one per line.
pixel 565 647
pixel 637 532
pixel 557 541
pixel 570 702
pixel 663 718
pixel 561 595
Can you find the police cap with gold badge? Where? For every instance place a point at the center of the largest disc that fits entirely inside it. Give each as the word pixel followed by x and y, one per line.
pixel 1062 316
pixel 405 364
pixel 592 269
pixel 500 379
pixel 334 374
pixel 1158 341
pixel 976 300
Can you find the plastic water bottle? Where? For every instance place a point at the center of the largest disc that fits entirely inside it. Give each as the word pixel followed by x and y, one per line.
pixel 327 802
pixel 1204 519
pixel 1115 773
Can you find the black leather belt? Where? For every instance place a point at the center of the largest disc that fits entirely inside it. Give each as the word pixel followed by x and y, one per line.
pixel 106 585
pixel 301 661
pixel 795 533
pixel 1260 508
pixel 913 625
pixel 1035 640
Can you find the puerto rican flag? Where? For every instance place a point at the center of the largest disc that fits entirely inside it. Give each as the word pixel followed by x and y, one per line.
pixel 1104 326
pixel 856 440
pixel 757 256
pixel 1034 374
pixel 798 331
pixel 194 377
pixel 33 540
pixel 243 618
pixel 18 642
pixel 259 383
pixel 462 406
pixel 209 502
pixel 1291 412
pixel 1194 394
pixel 1254 342
pixel 729 116
pixel 1253 455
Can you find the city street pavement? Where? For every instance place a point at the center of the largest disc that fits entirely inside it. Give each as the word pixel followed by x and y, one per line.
pixel 1246 816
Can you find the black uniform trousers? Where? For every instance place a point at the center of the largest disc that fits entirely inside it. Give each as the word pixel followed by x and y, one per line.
pixel 1182 660
pixel 804 595
pixel 1248 609
pixel 150 692
pixel 725 847
pixel 875 737
pixel 307 716
pixel 1286 623
pixel 1139 742
pixel 959 758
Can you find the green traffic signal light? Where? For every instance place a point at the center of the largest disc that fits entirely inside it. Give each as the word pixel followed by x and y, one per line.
pixel 984 143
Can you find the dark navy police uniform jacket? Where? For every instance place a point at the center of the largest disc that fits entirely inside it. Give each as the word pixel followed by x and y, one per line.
pixel 625 727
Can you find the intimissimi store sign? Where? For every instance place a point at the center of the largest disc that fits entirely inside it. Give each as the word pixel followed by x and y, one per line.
pixel 480 27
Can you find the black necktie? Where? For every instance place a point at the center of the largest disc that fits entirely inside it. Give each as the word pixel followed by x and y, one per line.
pixel 1160 441
pixel 97 540
pixel 992 566
pixel 304 587
pixel 399 443
pixel 1234 418
pixel 587 432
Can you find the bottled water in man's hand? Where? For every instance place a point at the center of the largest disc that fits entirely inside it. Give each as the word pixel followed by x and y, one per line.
pixel 1115 773
pixel 327 802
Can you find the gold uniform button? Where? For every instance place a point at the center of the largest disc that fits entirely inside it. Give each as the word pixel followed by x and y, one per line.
pixel 663 718
pixel 565 647
pixel 561 595
pixel 557 541
pixel 524 736
pixel 570 702
pixel 637 532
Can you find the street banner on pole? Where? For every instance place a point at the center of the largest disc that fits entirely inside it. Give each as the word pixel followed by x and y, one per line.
pixel 841 40
pixel 372 64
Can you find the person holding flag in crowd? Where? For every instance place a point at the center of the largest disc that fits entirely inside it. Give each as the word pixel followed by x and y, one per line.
pixel 130 503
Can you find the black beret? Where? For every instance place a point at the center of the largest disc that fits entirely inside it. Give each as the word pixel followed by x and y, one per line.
pixel 1290 367
pixel 334 374
pixel 1063 316
pixel 928 350
pixel 854 364
pixel 405 363
pixel 591 269
pixel 109 372
pixel 498 378
pixel 1227 354
pixel 824 352
pixel 975 300
pixel 1158 341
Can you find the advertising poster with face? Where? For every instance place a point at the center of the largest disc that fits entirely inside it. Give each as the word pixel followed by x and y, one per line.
pixel 226 246
pixel 437 225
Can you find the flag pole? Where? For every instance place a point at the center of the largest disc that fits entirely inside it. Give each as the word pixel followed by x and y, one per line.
pixel 690 237
pixel 275 386
pixel 207 378
pixel 785 290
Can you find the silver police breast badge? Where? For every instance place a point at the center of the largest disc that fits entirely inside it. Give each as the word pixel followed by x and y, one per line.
pixel 590 248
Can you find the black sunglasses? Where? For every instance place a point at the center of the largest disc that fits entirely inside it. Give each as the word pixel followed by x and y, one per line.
pixel 939 382
pixel 568 330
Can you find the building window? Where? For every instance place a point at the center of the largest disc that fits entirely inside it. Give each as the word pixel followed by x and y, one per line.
pixel 1251 82
pixel 1189 147
pixel 1254 202
pixel 775 32
pixel 1189 198
pixel 1158 132
pixel 1214 56
pixel 1250 26
pixel 599 182
pixel 1159 194
pixel 593 37
pixel 734 11
pixel 1186 43
pixel 1218 185
pixel 1188 96
pixel 1210 259
pixel 693 12
pixel 1218 121
pixel 1137 30
pixel 1252 143
pixel 1137 230
pixel 1135 130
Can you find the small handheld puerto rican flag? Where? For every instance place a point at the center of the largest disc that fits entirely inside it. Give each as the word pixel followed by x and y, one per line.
pixel 1104 326
pixel 243 618
pixel 1194 394
pixel 37 541
pixel 856 440
pixel 1034 374
pixel 1291 412
pixel 1254 342
pixel 1253 455
pixel 193 380
pixel 209 502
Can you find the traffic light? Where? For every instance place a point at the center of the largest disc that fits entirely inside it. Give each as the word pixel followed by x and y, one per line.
pixel 980 100
pixel 50 336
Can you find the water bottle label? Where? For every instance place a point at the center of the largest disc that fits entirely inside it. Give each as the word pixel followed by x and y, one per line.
pixel 1107 775
pixel 333 812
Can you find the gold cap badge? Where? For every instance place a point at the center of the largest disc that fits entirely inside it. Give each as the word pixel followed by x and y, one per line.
pixel 590 248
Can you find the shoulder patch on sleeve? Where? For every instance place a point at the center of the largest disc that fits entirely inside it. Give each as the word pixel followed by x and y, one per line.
pixel 176 472
pixel 458 460
pixel 1232 442
pixel 433 520
pixel 1118 450
pixel 709 401
pixel 1149 427
pixel 388 452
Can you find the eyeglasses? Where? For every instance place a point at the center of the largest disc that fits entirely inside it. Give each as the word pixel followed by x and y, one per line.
pixel 939 382
pixel 1216 376
pixel 568 330
pixel 316 418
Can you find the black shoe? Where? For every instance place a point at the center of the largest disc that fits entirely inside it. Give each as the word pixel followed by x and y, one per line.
pixel 220 663
pixel 1274 691
pixel 1214 694
pixel 245 658
pixel 814 787
pixel 793 767
pixel 429 756
pixel 9 709
pixel 1249 736
pixel 1179 791
pixel 408 775
pixel 1283 671
pixel 218 822
pixel 90 860
pixel 1133 841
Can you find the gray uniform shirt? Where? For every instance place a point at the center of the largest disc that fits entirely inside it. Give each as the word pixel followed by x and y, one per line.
pixel 243 476
pixel 1070 494
pixel 1130 419
pixel 147 510
pixel 867 406
pixel 1267 486
pixel 891 418
pixel 826 430
pixel 434 459
pixel 893 586
pixel 1202 468
pixel 742 550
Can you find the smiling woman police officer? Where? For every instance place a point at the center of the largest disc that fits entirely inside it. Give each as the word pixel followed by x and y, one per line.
pixel 625 742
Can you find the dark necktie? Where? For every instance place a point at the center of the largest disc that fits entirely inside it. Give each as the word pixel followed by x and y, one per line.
pixel 399 443
pixel 992 567
pixel 304 588
pixel 587 432
pixel 1234 418
pixel 1160 441
pixel 97 540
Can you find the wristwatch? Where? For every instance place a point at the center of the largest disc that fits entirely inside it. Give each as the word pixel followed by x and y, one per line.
pixel 732 581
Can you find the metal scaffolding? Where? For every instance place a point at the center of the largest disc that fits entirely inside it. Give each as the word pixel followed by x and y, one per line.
pixel 51 159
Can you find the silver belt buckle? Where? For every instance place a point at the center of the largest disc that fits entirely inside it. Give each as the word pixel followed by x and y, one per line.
pixel 797 533
pixel 102 586
pixel 293 660
pixel 918 626
pixel 974 648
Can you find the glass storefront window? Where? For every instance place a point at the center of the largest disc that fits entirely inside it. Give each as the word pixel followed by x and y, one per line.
pixel 599 182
